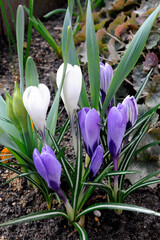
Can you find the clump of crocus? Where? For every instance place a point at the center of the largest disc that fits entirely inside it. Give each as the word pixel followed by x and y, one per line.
pixel 70 92
pixel 89 121
pixel 106 75
pixel 132 111
pixel 50 169
pixel 117 120
pixel 36 101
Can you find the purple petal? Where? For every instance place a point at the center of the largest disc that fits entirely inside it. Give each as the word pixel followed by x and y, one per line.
pixel 131 109
pixel 53 169
pixel 47 149
pixel 106 75
pixel 39 165
pixel 96 162
pixel 116 129
pixel 92 128
pixel 82 117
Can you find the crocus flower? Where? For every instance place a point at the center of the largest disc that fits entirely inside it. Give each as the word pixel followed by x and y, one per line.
pixel 117 120
pixel 71 87
pixel 96 161
pixel 131 109
pixel 106 75
pixel 70 93
pixel 36 101
pixel 50 169
pixel 48 166
pixel 89 121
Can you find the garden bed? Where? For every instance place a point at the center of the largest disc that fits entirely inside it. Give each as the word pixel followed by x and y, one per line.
pixel 18 199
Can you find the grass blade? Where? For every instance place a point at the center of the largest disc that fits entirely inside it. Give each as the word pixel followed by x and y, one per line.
pixel 20 41
pixel 35 217
pixel 93 59
pixel 117 206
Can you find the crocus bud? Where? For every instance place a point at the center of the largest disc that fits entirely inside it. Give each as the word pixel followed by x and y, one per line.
pixel 106 75
pixel 131 109
pixel 89 121
pixel 48 167
pixel 117 120
pixel 96 161
pixel 71 87
pixel 10 113
pixel 36 101
pixel 19 109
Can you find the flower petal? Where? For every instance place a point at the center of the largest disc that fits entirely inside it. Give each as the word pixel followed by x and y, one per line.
pixel 36 101
pixel 53 169
pixel 92 129
pixel 72 88
pixel 116 129
pixel 39 165
pixel 96 161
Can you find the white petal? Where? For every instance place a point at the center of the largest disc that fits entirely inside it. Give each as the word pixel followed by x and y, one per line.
pixel 72 88
pixel 59 76
pixel 36 101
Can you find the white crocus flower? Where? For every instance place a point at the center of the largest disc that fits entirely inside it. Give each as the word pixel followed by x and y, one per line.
pixel 70 93
pixel 36 101
pixel 71 87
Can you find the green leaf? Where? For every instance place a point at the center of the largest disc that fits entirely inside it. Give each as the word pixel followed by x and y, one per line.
pixel 36 216
pixel 31 75
pixel 93 59
pixel 138 94
pixel 78 172
pixel 9 32
pixel 91 188
pixel 117 206
pixel 41 29
pixel 29 30
pixel 81 231
pixel 141 183
pixel 73 58
pixel 70 6
pixel 67 167
pixel 128 156
pixel 5 122
pixel 20 41
pixel 130 58
pixel 53 113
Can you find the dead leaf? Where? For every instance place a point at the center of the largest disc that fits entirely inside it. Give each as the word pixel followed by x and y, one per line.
pixel 153 90
pixel 118 21
pixel 114 56
pixel 151 61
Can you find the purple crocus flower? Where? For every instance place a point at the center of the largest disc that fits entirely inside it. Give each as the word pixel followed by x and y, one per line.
pixel 106 75
pixel 48 167
pixel 96 161
pixel 131 109
pixel 89 121
pixel 117 120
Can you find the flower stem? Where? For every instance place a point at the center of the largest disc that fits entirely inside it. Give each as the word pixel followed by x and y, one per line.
pixel 73 132
pixel 67 205
pixel 115 163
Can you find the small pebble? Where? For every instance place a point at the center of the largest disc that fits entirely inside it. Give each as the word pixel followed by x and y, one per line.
pixel 97 213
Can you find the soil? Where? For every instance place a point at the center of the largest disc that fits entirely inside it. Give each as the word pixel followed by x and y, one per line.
pixel 18 199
